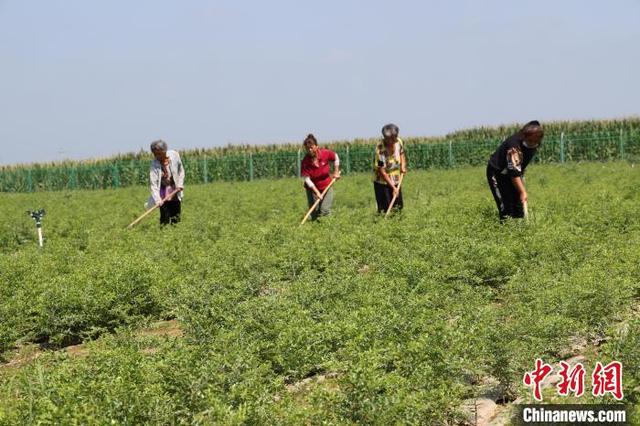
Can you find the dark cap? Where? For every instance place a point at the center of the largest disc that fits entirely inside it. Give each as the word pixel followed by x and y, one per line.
pixel 389 130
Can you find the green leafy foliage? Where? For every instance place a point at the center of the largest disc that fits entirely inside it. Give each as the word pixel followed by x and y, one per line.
pixel 351 319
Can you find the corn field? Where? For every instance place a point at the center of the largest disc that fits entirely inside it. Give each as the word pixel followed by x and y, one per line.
pixel 564 142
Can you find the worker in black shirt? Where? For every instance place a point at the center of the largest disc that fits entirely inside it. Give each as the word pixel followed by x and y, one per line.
pixel 506 168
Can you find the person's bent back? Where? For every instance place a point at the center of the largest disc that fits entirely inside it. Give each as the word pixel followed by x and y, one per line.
pixel 506 167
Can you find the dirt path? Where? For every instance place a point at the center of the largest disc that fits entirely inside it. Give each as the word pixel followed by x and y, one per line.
pixel 30 352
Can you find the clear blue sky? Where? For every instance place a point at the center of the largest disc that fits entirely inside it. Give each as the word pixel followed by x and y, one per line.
pixel 84 78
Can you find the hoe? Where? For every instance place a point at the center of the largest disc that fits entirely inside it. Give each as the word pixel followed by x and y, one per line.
pixel 148 212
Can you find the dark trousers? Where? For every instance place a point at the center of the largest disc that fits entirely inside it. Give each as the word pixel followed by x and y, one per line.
pixel 384 194
pixel 505 194
pixel 170 212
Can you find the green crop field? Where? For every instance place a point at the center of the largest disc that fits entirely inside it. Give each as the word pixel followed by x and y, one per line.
pixel 353 319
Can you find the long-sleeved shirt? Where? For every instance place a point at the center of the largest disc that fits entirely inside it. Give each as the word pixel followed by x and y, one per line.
pixel 174 172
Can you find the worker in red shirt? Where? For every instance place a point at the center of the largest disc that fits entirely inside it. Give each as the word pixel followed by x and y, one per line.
pixel 317 175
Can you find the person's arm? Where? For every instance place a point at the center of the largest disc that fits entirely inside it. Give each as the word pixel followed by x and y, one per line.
pixel 380 171
pixel 336 166
pixel 336 171
pixel 403 157
pixel 386 176
pixel 388 179
pixel 308 183
pixel 519 184
pixel 179 180
pixel 514 170
pixel 154 184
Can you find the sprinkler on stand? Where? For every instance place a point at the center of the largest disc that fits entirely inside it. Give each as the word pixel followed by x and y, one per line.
pixel 37 216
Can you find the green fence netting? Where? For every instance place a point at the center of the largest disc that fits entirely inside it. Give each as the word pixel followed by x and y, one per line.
pixel 355 158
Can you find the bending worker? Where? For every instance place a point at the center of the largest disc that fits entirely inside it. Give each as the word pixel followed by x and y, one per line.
pixel 390 162
pixel 166 177
pixel 505 171
pixel 317 175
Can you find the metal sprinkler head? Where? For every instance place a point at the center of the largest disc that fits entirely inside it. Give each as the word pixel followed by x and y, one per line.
pixel 37 215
